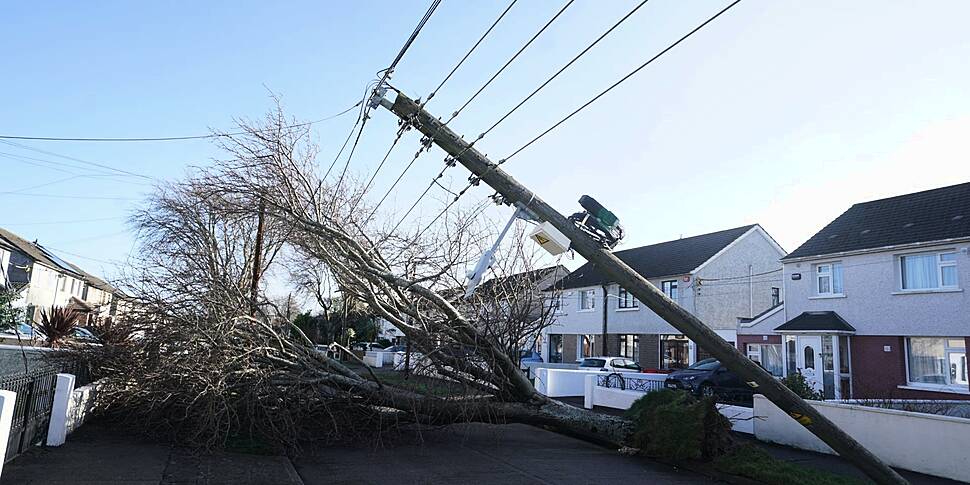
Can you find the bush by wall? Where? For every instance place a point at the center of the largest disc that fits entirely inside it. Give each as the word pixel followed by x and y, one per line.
pixel 677 426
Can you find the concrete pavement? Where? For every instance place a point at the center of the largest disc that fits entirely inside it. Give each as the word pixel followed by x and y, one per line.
pixel 475 453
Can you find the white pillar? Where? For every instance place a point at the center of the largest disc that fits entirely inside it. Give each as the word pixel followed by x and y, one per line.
pixel 589 390
pixel 57 430
pixel 7 401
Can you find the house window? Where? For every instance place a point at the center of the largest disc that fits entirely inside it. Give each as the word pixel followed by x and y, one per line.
pixel 557 303
pixel 669 288
pixel 555 348
pixel 626 300
pixel 928 271
pixel 768 355
pixel 790 354
pixel 828 279
pixel 588 346
pixel 587 299
pixel 940 362
pixel 674 351
pixel 630 346
pixel 775 296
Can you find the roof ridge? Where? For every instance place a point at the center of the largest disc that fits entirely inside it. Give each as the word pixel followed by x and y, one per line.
pixel 918 192
pixel 746 229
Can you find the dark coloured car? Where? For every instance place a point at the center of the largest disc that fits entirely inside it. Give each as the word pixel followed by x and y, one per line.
pixel 709 377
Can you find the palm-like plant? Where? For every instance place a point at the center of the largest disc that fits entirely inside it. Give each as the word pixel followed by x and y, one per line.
pixel 59 323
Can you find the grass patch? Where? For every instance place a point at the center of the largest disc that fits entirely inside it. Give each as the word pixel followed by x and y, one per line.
pixel 752 462
pixel 421 384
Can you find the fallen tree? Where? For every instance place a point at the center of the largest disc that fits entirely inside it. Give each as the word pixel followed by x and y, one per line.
pixel 207 369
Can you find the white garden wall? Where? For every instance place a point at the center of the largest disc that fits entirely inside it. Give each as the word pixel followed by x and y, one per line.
pixel 925 443
pixel 562 382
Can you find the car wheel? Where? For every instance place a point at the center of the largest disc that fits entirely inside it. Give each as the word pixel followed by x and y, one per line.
pixel 706 390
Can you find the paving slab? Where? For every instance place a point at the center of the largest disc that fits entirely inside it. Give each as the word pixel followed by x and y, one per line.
pixel 92 454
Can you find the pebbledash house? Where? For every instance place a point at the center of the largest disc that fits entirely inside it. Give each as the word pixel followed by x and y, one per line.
pixel 719 277
pixel 875 304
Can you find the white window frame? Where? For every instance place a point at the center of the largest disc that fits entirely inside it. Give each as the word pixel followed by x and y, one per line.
pixel 947 350
pixel 775 296
pixel 582 300
pixel 753 352
pixel 625 301
pixel 557 304
pixel 831 276
pixel 673 285
pixel 940 264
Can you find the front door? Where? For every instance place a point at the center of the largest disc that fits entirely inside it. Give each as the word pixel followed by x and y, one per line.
pixel 808 358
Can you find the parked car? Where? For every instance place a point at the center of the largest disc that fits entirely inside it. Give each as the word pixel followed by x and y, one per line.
pixel 529 357
pixel 610 364
pixel 396 348
pixel 365 346
pixel 709 377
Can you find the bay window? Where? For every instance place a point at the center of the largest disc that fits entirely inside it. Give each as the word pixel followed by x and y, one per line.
pixel 828 279
pixel 937 361
pixel 928 271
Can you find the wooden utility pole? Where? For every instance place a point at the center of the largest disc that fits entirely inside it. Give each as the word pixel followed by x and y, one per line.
pixel 257 260
pixel 619 272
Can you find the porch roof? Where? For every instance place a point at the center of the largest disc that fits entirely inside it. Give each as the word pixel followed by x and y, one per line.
pixel 827 321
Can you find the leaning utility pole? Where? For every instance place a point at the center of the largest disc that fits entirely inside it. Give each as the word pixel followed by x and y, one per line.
pixel 257 259
pixel 616 270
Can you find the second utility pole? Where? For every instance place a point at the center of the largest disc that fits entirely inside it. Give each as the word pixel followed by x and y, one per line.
pixel 617 271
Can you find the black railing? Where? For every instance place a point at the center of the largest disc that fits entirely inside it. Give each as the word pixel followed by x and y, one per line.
pixel 629 383
pixel 32 409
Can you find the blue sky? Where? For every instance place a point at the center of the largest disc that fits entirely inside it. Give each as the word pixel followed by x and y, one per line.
pixel 781 112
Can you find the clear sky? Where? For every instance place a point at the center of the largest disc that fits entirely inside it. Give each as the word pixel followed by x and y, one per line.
pixel 780 112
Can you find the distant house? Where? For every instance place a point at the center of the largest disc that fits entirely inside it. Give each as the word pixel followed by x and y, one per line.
pixel 44 280
pixel 876 303
pixel 719 277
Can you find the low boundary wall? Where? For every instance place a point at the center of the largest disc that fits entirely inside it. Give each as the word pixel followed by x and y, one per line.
pixel 925 443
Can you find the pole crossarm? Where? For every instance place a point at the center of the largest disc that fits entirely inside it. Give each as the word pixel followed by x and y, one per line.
pixel 620 273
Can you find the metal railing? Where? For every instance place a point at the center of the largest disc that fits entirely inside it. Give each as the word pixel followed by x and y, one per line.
pixel 628 383
pixel 32 409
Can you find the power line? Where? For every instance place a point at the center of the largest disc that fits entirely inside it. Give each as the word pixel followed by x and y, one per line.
pixel 740 276
pixel 73 221
pixel 167 138
pixel 79 197
pixel 66 157
pixel 378 89
pixel 473 180
pixel 507 63
pixel 53 165
pixel 80 256
pixel 623 79
pixel 454 115
pixel 462 61
pixel 387 72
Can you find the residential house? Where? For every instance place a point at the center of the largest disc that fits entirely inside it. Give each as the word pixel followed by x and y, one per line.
pixel 875 302
pixel 525 287
pixel 45 280
pixel 719 277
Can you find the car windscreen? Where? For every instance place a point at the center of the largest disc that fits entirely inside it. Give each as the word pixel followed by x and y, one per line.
pixel 706 364
pixel 593 363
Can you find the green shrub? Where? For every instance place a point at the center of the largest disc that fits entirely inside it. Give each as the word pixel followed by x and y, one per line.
pixel 675 425
pixel 797 383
